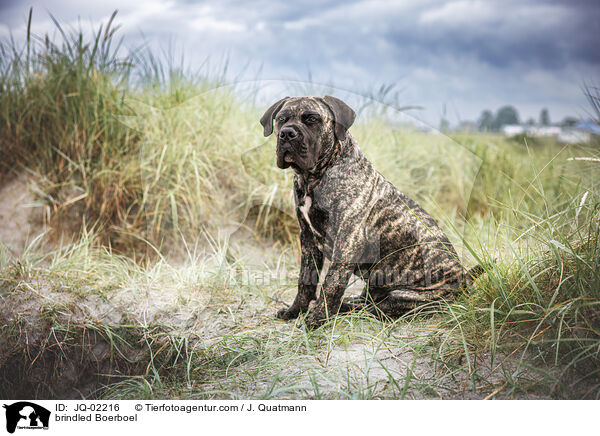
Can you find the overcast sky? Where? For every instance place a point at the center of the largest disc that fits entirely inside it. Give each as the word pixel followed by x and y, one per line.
pixel 463 55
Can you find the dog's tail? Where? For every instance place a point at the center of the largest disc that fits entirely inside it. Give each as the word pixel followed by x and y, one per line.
pixel 471 274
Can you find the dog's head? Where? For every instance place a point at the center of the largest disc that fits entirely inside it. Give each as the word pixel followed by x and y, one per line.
pixel 307 129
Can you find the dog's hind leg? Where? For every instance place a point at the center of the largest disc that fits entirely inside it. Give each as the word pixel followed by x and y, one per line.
pixel 398 302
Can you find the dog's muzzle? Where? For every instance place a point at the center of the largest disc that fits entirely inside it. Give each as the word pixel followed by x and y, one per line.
pixel 284 155
pixel 287 140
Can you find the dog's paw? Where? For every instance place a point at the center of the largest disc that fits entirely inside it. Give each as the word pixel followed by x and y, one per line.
pixel 287 313
pixel 312 323
pixel 314 320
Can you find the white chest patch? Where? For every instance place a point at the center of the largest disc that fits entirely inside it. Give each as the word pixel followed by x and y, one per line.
pixel 304 208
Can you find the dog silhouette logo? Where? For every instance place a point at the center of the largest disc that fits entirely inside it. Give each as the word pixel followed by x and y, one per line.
pixel 26 415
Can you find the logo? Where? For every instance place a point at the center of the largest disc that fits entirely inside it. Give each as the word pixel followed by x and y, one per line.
pixel 26 415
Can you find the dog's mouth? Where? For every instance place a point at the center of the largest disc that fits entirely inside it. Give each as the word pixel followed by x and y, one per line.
pixel 284 160
pixel 285 157
pixel 291 154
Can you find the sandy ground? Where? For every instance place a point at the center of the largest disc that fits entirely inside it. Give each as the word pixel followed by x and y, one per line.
pixel 19 216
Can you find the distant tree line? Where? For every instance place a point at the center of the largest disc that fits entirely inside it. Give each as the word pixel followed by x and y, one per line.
pixel 490 122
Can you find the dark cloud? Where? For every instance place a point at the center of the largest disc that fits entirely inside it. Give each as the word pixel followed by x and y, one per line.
pixel 7 5
pixel 538 35
pixel 12 10
pixel 474 53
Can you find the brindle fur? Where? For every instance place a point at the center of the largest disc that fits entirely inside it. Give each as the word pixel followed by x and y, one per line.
pixel 352 216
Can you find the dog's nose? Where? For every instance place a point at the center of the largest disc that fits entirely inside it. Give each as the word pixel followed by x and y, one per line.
pixel 288 133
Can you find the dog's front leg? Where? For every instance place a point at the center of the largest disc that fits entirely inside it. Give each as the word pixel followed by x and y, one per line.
pixel 329 302
pixel 310 266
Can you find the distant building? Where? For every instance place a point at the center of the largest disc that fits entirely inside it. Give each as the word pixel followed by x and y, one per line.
pixel 543 131
pixel 513 129
pixel 574 136
pixel 580 133
pixel 588 126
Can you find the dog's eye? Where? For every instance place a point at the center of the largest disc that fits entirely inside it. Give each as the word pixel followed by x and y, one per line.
pixel 281 119
pixel 312 119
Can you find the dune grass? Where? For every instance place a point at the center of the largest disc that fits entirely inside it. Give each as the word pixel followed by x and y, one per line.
pixel 183 243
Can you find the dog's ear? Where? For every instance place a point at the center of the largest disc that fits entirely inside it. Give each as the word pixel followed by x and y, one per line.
pixel 343 115
pixel 267 119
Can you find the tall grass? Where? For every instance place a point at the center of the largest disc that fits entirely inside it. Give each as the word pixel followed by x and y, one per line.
pixel 539 304
pixel 135 163
pixel 59 104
